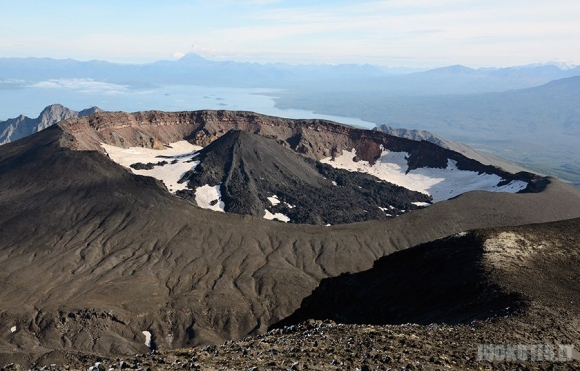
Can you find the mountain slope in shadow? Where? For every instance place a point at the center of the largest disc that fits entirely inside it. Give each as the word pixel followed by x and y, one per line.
pixel 471 276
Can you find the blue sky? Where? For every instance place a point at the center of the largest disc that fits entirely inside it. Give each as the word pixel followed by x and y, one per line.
pixel 418 33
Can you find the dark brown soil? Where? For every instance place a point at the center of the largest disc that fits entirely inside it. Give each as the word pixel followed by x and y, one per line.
pixel 534 267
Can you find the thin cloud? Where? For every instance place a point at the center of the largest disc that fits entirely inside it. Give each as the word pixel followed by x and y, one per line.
pixel 411 27
pixel 347 30
pixel 81 85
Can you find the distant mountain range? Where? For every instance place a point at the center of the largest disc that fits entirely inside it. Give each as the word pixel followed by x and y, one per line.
pixel 22 126
pixel 193 69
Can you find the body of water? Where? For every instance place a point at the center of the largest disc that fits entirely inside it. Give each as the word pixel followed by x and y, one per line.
pixel 78 94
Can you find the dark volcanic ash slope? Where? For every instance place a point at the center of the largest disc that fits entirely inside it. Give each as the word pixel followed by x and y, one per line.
pixel 91 255
pixel 469 276
pixel 251 169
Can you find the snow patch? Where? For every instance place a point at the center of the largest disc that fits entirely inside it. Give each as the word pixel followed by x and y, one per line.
pixel 278 216
pixel 441 184
pixel 421 204
pixel 180 152
pixel 385 209
pixel 147 338
pixel 274 200
pixel 13 329
pixel 209 197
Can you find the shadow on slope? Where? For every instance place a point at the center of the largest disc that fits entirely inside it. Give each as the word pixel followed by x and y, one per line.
pixel 473 276
pixel 440 282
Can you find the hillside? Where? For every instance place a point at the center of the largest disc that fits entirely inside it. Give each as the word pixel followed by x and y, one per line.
pixel 464 149
pixel 435 306
pixel 257 176
pixel 92 255
pixel 463 278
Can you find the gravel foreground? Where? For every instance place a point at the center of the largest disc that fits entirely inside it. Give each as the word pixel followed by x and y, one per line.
pixel 325 345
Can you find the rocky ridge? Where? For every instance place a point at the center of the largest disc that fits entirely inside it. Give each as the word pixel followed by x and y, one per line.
pixel 315 139
pixel 464 149
pixel 22 126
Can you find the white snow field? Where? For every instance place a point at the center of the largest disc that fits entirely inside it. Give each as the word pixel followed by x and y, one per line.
pixel 13 329
pixel 169 174
pixel 209 197
pixel 147 338
pixel 278 216
pixel 441 184
pixel 274 200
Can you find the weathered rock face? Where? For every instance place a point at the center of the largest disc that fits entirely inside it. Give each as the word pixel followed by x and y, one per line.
pixel 22 126
pixel 316 139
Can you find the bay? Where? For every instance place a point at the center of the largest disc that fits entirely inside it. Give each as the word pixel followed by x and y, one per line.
pixel 78 94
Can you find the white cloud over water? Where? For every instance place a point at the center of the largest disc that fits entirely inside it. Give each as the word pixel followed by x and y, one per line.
pixel 81 85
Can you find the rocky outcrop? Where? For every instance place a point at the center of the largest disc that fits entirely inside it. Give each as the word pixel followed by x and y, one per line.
pixel 22 126
pixel 315 139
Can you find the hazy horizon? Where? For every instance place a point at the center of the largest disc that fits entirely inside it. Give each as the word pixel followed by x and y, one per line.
pixel 419 33
pixel 558 63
